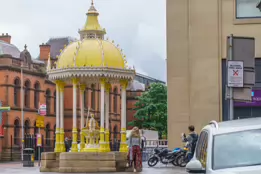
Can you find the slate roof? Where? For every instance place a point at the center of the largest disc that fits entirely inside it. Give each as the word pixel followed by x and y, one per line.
pixel 57 44
pixel 136 86
pixel 6 48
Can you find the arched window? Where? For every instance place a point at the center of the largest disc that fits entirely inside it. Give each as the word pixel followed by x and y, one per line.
pixel 93 97
pixel 115 133
pixel 27 94
pixel 54 130
pixel 35 129
pixel 54 101
pixel 36 95
pixel 17 132
pixel 115 102
pixel 47 135
pixel 99 99
pixel 48 101
pixel 85 98
pixel 16 92
pixel 110 100
pixel 27 127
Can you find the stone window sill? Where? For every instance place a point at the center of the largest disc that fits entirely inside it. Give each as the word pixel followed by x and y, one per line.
pixel 246 21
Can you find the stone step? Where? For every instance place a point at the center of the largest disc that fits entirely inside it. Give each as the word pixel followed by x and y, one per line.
pixel 4 154
pixel 9 159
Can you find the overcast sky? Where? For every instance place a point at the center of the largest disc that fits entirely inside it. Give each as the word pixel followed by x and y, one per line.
pixel 138 26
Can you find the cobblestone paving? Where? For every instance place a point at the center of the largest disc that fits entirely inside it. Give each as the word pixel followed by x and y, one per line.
pixel 14 167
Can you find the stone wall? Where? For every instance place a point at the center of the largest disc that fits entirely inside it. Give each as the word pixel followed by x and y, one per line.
pixel 82 162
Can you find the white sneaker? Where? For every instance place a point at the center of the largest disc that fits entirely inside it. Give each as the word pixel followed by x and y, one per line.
pixel 134 170
pixel 127 165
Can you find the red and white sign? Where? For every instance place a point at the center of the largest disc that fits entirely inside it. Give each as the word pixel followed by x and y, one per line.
pixel 235 72
pixel 42 109
pixel 38 140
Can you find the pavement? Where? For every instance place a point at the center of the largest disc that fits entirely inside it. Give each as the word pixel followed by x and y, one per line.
pixel 16 167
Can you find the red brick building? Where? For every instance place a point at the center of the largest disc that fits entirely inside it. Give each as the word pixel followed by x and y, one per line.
pixel 37 89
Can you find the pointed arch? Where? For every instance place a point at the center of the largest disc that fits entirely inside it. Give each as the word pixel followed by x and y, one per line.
pixel 27 86
pixel 35 128
pixel 115 100
pixel 36 94
pixel 27 126
pixel 48 101
pixel 17 85
pixel 93 96
pixel 54 102
pixel 47 135
pixel 85 97
pixel 110 100
pixel 17 132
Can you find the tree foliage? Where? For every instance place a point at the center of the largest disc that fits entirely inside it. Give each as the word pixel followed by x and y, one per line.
pixel 151 109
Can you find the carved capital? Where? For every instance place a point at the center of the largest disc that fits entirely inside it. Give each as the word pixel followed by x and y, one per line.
pixel 82 87
pixel 75 81
pixel 124 84
pixel 107 87
pixel 61 86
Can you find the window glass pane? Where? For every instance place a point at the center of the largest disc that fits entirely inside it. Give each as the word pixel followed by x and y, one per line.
pixel 237 149
pixel 203 154
pixel 247 8
pixel 199 144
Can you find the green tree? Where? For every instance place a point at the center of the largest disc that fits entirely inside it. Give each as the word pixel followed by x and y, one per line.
pixel 151 109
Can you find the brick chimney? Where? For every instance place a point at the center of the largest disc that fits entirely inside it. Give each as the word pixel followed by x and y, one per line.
pixel 45 50
pixel 5 37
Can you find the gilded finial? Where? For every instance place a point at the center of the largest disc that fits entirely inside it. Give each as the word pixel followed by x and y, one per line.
pixel 61 50
pixel 64 46
pixel 92 3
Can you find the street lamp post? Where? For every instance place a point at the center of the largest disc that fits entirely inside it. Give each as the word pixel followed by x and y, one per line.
pixel 22 107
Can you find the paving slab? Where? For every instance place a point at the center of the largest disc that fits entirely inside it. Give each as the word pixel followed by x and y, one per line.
pixel 16 167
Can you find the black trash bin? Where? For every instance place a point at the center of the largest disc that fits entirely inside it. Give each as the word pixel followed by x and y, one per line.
pixel 28 157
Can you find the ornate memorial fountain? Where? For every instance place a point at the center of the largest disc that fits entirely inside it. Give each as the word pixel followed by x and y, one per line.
pixel 91 133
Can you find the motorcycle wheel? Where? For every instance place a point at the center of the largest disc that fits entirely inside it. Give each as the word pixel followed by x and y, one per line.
pixel 153 161
pixel 174 162
pixel 181 160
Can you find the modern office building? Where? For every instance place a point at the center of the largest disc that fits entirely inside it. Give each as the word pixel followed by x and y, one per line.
pixel 196 54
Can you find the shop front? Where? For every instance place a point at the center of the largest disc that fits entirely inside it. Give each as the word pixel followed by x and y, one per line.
pixel 249 109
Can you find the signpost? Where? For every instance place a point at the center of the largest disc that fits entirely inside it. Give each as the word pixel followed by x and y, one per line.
pixel 240 70
pixel 40 124
pixel 2 109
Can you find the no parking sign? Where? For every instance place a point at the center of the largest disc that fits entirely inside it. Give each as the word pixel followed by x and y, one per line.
pixel 42 110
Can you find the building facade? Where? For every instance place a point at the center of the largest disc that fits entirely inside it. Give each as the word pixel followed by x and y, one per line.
pixel 196 52
pixel 39 90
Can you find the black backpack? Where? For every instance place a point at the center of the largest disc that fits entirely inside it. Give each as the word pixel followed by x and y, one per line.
pixel 194 142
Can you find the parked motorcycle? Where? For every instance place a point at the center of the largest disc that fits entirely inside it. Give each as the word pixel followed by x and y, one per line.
pixel 182 158
pixel 165 156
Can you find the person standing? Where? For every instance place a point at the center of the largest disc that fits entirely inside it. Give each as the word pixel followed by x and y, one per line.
pixel 191 139
pixel 67 146
pixel 134 154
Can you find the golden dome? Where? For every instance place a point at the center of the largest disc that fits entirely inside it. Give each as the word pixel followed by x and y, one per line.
pixel 92 49
pixel 91 52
